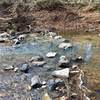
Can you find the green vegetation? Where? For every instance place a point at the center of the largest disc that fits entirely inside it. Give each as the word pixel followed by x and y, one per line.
pixel 49 4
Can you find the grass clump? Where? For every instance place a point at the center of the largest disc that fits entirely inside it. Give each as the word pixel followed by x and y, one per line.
pixel 49 4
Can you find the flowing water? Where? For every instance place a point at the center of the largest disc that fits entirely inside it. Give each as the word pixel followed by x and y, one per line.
pixel 21 53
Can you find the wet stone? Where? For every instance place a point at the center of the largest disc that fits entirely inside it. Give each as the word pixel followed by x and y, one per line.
pixel 78 59
pixel 7 67
pixel 36 58
pixel 52 34
pixel 53 84
pixel 16 41
pixel 21 37
pixel 24 68
pixel 65 45
pixel 58 37
pixel 51 54
pixel 35 82
pixel 38 63
pixel 64 62
pixel 63 73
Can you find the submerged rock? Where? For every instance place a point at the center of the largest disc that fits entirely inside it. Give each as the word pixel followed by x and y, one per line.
pixel 64 73
pixel 53 84
pixel 51 54
pixel 58 37
pixel 65 45
pixel 24 68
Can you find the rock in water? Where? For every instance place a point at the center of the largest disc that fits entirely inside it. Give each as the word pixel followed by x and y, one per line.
pixel 63 62
pixel 51 54
pixel 35 82
pixel 38 63
pixel 64 73
pixel 46 97
pixel 4 37
pixel 21 37
pixel 24 68
pixel 16 41
pixel 36 58
pixel 52 34
pixel 8 67
pixel 65 45
pixel 58 37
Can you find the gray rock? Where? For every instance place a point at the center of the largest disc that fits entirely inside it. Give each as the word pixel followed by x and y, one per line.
pixel 53 84
pixel 65 45
pixel 58 37
pixel 4 40
pixel 24 68
pixel 52 34
pixel 64 73
pixel 35 82
pixel 38 63
pixel 51 54
pixel 7 67
pixel 21 37
pixel 36 58
pixel 4 37
pixel 64 62
pixel 16 41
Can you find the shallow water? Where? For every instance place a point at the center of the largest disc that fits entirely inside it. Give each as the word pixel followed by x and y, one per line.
pixel 17 54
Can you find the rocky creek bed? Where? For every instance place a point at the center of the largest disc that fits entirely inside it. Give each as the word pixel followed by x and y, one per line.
pixel 42 67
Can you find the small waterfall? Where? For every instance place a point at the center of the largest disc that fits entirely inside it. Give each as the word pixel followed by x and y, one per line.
pixel 88 52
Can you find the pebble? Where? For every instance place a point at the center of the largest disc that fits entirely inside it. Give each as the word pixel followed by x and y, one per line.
pixel 51 54
pixel 63 73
